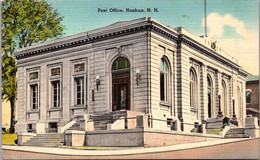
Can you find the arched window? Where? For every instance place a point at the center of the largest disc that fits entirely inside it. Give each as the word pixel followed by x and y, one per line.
pixel 164 79
pixel 193 89
pixel 210 95
pixel 239 102
pixel 224 97
pixel 120 63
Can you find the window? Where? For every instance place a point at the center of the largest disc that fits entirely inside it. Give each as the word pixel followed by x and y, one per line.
pixel 79 83
pixel 79 86
pixel 34 96
pixel 33 87
pixel 193 89
pixel 224 97
pixel 164 79
pixel 55 85
pixel 169 121
pixel 55 93
pixel 239 100
pixel 210 93
pixel 31 128
pixel 53 127
pixel 120 63
pixel 248 97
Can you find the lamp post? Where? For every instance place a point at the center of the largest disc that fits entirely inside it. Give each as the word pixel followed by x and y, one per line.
pixel 234 113
pixel 219 111
pixel 97 81
pixel 137 76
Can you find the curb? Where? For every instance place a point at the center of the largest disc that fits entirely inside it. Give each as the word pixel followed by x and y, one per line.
pixel 118 152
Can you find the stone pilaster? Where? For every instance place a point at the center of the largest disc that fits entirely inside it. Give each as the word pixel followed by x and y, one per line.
pixel 43 97
pixel 203 93
pixel 66 91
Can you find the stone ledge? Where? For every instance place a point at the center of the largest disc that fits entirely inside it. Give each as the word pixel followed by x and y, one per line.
pixel 74 132
pixel 181 133
pixel 26 134
pixel 115 131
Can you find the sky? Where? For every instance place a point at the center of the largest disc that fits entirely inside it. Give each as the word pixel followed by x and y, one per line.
pixel 233 23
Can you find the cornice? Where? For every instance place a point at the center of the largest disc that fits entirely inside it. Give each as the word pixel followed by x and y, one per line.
pixel 102 34
pixel 166 32
pixel 243 73
pixel 64 45
pixel 190 42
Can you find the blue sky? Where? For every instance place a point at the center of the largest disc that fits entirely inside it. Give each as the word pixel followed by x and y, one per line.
pixel 82 15
pixel 229 15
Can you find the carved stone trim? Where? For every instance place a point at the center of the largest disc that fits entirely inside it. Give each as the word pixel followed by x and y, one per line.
pixel 223 75
pixel 211 70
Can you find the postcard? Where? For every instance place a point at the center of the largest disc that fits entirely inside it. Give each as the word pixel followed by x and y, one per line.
pixel 112 79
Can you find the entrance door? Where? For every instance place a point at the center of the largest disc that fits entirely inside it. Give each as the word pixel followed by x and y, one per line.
pixel 121 91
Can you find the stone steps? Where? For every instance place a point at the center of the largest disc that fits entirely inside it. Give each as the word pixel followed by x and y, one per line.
pixel 45 145
pixel 237 136
pixel 101 121
pixel 46 140
pixel 236 133
pixel 75 126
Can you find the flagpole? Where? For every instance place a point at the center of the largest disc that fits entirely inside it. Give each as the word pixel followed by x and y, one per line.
pixel 205 19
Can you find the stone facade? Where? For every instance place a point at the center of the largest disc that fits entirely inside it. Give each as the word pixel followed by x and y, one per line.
pixel 141 65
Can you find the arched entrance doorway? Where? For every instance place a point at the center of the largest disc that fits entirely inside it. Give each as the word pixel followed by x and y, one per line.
pixel 121 84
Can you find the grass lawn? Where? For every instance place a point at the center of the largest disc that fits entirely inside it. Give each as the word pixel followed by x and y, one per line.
pixel 92 148
pixel 8 138
pixel 214 131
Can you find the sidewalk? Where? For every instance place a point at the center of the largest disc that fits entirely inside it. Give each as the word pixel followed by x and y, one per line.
pixel 125 151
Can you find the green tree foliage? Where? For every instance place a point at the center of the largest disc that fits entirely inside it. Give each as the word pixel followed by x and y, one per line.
pixel 9 87
pixel 24 22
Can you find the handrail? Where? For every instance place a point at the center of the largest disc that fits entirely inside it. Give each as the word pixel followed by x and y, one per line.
pixel 67 126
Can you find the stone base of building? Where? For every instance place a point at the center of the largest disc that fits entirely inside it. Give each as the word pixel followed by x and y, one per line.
pixel 24 137
pixel 251 127
pixel 214 123
pixel 138 137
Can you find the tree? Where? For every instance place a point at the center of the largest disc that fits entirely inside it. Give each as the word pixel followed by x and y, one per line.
pixel 24 22
pixel 9 86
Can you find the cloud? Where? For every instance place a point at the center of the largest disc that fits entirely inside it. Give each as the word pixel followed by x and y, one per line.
pixel 216 23
pixel 244 49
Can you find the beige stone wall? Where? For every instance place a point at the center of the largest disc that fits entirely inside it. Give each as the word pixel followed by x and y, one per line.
pixel 140 137
pixel 162 47
pixel 24 137
pixel 98 58
pixel 153 138
pixel 115 138
pixel 75 138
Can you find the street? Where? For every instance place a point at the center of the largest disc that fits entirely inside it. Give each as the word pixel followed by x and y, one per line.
pixel 237 150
